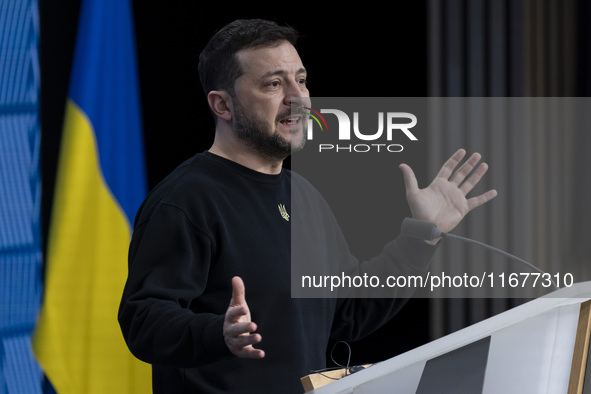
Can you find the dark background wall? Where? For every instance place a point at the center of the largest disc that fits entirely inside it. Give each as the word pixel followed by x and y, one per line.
pixel 368 49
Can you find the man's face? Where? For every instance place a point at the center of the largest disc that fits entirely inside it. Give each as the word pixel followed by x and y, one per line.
pixel 262 114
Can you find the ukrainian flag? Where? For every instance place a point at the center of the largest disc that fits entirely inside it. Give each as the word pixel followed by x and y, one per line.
pixel 100 185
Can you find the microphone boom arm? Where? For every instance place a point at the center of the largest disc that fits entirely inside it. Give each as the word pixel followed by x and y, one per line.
pixel 428 231
pixel 472 241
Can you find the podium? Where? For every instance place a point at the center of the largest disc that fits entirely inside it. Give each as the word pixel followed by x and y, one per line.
pixel 538 347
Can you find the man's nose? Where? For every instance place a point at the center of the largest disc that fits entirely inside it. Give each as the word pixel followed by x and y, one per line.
pixel 295 92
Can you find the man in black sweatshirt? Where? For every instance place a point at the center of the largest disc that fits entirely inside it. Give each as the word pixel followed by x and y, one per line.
pixel 222 222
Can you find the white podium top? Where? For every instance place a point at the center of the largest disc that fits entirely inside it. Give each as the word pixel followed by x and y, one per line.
pixel 531 349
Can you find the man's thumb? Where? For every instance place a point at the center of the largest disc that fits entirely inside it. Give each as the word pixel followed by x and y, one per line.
pixel 238 292
pixel 410 180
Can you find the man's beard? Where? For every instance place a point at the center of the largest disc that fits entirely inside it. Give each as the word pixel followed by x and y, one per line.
pixel 258 136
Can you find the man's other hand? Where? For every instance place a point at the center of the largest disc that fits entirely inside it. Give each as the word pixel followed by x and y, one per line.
pixel 238 327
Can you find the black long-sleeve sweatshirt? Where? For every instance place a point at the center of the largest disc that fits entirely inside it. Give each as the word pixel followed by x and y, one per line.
pixel 212 219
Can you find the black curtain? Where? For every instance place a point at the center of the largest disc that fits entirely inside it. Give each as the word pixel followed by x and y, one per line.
pixel 516 48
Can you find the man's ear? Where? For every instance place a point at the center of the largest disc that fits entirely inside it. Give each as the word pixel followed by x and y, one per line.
pixel 220 103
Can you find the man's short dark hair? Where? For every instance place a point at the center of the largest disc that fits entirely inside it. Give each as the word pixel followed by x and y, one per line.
pixel 218 65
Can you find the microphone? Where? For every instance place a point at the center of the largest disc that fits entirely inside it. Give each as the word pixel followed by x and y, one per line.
pixel 428 231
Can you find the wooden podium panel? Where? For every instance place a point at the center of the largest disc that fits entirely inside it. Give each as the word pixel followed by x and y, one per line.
pixel 581 350
pixel 319 379
pixel 538 347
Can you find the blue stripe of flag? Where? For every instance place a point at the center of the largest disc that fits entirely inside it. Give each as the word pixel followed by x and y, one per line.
pixel 104 84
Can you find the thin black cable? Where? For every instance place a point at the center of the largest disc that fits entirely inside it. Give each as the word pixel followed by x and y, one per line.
pixel 348 358
pixel 339 366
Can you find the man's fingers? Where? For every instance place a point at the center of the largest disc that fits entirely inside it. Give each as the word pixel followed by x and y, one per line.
pixel 238 292
pixel 238 329
pixel 473 179
pixel 234 313
pixel 244 340
pixel 451 164
pixel 460 175
pixel 237 325
pixel 477 201
pixel 250 352
pixel 240 341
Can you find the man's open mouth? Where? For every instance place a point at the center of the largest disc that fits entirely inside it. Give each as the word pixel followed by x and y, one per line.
pixel 291 120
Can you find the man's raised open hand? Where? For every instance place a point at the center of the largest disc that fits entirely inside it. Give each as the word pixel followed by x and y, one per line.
pixel 444 201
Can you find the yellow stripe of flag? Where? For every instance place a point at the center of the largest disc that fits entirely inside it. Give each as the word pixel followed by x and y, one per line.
pixel 78 342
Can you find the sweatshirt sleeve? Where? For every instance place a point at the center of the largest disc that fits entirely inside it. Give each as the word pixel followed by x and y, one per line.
pixel 169 261
pixel 358 317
